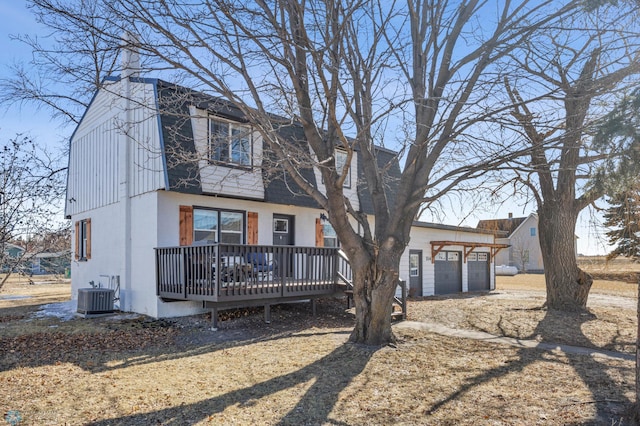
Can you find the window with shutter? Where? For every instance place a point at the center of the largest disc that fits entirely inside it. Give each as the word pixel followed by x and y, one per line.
pixel 83 239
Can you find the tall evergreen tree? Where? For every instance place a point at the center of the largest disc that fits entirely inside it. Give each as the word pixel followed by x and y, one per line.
pixel 623 219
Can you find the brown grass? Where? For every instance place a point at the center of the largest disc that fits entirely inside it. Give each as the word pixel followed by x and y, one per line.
pixel 618 269
pixel 515 310
pixel 300 370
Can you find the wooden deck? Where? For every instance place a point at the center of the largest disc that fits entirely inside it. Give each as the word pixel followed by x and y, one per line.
pixel 226 276
pixel 232 273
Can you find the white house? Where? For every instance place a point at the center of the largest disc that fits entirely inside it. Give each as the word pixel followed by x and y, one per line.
pixel 167 186
pixel 521 234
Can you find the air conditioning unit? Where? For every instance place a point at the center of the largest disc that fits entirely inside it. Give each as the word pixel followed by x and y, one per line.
pixel 95 301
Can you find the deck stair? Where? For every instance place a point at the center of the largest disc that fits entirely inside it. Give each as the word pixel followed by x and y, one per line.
pixel 399 306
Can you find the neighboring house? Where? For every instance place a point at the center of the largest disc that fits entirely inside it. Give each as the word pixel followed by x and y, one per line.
pixel 38 263
pixel 51 263
pixel 521 234
pixel 12 257
pixel 169 199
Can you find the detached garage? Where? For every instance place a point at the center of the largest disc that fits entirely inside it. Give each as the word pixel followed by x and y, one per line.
pixel 444 259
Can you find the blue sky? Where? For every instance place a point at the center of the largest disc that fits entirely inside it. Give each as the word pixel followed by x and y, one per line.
pixel 26 119
pixel 17 19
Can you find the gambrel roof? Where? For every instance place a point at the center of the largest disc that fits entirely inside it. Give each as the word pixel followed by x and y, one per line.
pixel 184 176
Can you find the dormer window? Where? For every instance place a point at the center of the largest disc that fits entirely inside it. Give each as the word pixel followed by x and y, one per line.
pixel 229 143
pixel 341 160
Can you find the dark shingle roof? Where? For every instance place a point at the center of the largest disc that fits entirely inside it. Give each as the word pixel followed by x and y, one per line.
pixel 280 188
pixel 388 161
pixel 176 134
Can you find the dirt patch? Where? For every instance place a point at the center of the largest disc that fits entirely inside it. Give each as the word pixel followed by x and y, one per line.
pixel 130 370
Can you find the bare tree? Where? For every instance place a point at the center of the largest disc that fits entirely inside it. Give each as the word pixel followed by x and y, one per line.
pixel 67 64
pixel 415 77
pixel 31 187
pixel 568 79
pixel 521 248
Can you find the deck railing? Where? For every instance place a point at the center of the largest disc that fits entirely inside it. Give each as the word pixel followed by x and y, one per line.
pixel 230 272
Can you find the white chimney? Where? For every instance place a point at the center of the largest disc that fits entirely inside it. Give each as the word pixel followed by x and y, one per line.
pixel 130 56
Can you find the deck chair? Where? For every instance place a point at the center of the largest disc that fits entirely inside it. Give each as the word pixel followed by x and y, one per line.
pixel 261 266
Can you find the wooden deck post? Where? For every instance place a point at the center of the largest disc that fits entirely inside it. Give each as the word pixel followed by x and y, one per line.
pixel 267 314
pixel 214 318
pixel 314 306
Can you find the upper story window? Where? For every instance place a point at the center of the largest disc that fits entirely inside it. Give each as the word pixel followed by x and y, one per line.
pixel 532 231
pixel 341 160
pixel 229 143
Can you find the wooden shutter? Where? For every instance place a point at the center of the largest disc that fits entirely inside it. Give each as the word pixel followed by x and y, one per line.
pixel 186 225
pixel 77 248
pixel 319 233
pixel 87 255
pixel 252 228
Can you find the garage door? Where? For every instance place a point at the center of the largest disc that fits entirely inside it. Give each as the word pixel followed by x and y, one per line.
pixel 448 272
pixel 478 267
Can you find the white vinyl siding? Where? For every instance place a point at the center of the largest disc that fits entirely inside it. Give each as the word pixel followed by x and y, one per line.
pixel 147 166
pixel 94 157
pixel 93 170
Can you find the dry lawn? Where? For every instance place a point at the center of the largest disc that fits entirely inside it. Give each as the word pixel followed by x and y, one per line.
pixel 126 370
pixel 618 269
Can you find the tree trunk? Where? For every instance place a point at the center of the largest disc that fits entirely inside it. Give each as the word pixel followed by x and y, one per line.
pixel 567 285
pixel 373 299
